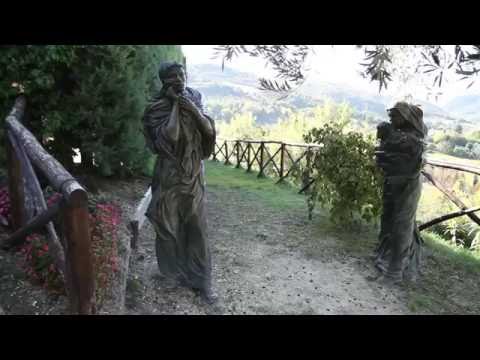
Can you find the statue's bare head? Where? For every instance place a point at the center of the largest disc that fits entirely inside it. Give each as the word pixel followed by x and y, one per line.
pixel 172 74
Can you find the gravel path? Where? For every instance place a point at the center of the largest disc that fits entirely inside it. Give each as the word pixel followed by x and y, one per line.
pixel 265 261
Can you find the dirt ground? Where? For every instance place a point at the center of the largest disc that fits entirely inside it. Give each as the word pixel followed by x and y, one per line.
pixel 265 261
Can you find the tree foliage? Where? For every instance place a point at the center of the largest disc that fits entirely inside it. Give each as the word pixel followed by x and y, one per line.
pixel 89 98
pixel 287 60
pixel 380 62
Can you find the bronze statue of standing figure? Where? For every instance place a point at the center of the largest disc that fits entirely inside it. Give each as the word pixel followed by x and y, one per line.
pixel 177 129
pixel 400 156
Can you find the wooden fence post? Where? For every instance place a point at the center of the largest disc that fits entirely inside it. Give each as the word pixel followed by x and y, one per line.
pixel 15 187
pixel 214 158
pixel 282 155
pixel 79 275
pixel 76 229
pixel 227 157
pixel 15 174
pixel 306 181
pixel 249 164
pixel 238 153
pixel 262 146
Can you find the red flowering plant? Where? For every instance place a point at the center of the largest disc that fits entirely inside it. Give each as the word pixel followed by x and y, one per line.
pixel 39 265
pixel 37 262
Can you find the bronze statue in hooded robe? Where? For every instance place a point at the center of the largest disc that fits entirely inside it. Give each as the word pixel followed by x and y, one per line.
pixel 177 129
pixel 400 156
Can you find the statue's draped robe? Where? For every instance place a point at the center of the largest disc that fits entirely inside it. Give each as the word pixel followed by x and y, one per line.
pixel 177 209
pixel 399 253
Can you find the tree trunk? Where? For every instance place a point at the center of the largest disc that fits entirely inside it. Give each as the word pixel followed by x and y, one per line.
pixel 87 160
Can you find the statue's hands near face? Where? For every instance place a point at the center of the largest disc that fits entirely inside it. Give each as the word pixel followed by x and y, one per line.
pixel 188 105
pixel 171 94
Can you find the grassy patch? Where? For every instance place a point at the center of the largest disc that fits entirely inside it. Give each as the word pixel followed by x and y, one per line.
pixel 456 257
pixel 420 302
pixel 359 239
pixel 265 189
pixel 450 281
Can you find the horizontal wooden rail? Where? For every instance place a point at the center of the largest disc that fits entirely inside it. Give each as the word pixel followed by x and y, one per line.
pixel 74 260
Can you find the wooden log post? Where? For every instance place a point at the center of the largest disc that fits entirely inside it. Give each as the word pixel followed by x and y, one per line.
pixel 15 176
pixel 262 167
pixel 79 266
pixel 227 157
pixel 306 178
pixel 38 205
pixel 214 158
pixel 75 221
pixel 282 160
pixel 15 188
pixel 237 144
pixel 249 162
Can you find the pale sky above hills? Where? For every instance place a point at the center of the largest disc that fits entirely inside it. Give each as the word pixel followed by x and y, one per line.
pixel 338 64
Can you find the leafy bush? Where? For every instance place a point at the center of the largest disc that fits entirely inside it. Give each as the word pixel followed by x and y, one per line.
pixel 460 231
pixel 39 264
pixel 346 178
pixel 461 152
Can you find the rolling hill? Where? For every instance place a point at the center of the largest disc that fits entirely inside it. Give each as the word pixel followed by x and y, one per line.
pixel 242 86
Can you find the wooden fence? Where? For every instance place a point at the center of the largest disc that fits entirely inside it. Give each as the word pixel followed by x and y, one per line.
pixel 71 250
pixel 280 160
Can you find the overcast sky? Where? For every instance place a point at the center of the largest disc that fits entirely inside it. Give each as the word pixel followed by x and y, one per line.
pixel 337 64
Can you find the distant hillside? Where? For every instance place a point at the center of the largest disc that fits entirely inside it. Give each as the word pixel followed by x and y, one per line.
pixel 467 107
pixel 243 86
pixel 210 73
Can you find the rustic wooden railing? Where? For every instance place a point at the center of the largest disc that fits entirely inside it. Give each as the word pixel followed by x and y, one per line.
pixel 72 250
pixel 268 158
pixel 279 160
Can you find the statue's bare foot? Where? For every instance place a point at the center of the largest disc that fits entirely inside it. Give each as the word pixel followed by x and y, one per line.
pixel 208 296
